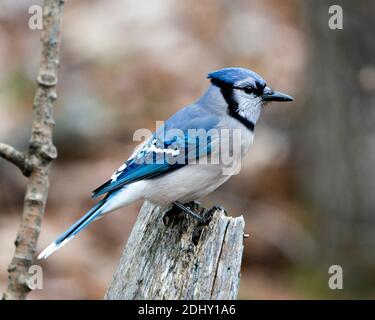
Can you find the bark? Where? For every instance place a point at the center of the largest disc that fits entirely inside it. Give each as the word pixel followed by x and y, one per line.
pixel 19 159
pixel 161 262
pixel 36 162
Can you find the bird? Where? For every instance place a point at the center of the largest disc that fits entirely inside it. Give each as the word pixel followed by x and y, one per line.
pixel 174 169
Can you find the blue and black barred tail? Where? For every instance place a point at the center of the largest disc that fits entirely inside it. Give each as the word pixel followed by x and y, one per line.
pixel 70 233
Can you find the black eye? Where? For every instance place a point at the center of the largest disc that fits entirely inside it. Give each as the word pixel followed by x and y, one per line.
pixel 249 90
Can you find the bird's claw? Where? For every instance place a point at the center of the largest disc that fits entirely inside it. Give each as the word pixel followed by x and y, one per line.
pixel 219 208
pixel 207 216
pixel 195 206
pixel 206 219
pixel 196 211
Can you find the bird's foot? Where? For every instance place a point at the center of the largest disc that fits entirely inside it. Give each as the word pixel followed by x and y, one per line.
pixel 197 212
pixel 196 206
pixel 193 209
pixel 206 219
pixel 219 208
pixel 187 208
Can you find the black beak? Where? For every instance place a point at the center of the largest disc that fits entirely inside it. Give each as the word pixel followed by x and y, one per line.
pixel 270 95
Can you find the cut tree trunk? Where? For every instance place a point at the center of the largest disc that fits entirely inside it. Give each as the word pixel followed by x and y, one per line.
pixel 162 262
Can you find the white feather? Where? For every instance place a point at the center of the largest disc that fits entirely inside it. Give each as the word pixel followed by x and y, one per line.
pixel 249 105
pixel 52 248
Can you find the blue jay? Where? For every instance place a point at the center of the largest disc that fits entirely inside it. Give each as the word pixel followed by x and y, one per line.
pixel 233 101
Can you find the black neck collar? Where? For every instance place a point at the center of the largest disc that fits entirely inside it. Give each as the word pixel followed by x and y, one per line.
pixel 227 92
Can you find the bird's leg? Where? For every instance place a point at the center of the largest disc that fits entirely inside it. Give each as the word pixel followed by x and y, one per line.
pixel 189 208
pixel 195 206
pixel 190 212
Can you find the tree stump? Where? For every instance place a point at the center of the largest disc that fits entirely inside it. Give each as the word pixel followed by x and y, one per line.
pixel 162 262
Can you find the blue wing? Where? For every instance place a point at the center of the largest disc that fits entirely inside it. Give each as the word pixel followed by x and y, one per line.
pixel 169 149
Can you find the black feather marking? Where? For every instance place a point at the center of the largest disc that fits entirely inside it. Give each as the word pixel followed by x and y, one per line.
pixel 227 92
pixel 101 187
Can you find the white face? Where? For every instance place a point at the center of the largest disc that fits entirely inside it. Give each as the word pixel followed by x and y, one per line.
pixel 249 105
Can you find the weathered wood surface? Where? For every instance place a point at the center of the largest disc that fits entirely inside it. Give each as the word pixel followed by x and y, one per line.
pixel 161 262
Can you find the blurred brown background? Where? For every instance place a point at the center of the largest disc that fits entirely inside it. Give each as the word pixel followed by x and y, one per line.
pixel 307 187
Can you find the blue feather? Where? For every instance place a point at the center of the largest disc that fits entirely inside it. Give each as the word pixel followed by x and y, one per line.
pixel 147 164
pixel 233 76
pixel 82 223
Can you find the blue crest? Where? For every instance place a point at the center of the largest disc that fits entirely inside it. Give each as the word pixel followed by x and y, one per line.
pixel 236 76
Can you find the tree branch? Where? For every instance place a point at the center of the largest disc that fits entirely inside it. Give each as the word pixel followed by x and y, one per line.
pixel 19 159
pixel 41 153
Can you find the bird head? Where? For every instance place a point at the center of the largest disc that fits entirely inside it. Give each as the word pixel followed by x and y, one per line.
pixel 245 93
